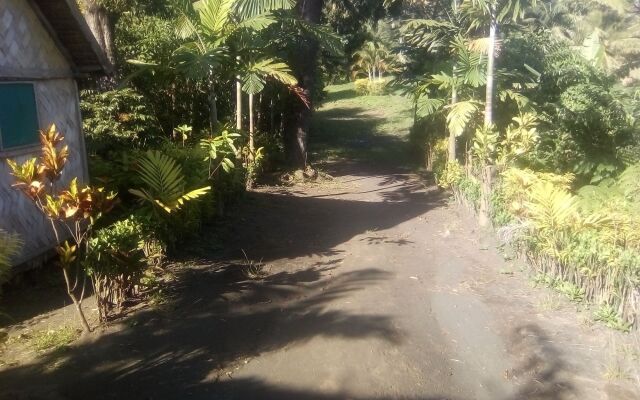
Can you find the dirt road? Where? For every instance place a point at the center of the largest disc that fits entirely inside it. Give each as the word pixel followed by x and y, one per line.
pixel 367 286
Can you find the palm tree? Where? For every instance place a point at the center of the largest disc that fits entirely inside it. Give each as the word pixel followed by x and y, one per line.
pixel 256 70
pixel 372 58
pixel 466 69
pixel 488 15
pixel 211 26
pixel 245 10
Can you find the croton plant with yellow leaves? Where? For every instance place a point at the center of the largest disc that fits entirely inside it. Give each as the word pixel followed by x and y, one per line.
pixel 70 208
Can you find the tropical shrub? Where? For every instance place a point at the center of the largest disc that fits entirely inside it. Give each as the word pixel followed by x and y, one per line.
pixel 115 262
pixel 65 205
pixel 451 175
pixel 361 86
pixel 117 117
pixel 152 37
pixel 428 142
pixel 368 87
pixel 164 195
pixel 588 241
pixel 465 187
pixel 587 119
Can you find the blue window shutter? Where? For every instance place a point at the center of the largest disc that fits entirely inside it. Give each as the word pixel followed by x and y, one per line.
pixel 18 115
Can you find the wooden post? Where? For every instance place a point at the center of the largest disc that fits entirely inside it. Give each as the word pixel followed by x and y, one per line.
pixel 486 183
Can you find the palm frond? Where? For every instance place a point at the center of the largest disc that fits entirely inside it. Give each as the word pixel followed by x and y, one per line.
pixel 252 83
pixel 429 106
pixel 256 73
pixel 185 21
pixel 164 181
pixel 214 15
pixel 460 115
pixel 257 23
pixel 246 9
pixel 328 40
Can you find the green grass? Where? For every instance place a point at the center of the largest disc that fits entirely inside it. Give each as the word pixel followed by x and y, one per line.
pixel 373 128
pixel 53 339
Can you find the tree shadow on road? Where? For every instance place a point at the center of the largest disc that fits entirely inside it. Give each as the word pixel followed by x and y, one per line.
pixel 209 327
pixel 272 226
pixel 216 318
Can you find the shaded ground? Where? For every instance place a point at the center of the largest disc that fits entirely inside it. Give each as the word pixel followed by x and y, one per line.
pixel 372 286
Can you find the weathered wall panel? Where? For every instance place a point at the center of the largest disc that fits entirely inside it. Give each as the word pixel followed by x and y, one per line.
pixel 28 52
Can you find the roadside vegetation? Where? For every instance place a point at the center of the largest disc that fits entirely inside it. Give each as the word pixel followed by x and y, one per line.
pixel 526 110
pixel 206 96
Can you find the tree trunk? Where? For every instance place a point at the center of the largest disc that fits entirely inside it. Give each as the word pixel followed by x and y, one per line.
pixel 259 117
pixel 452 136
pixel 238 97
pixel 101 23
pixel 252 146
pixel 76 302
pixel 488 108
pixel 213 106
pixel 238 103
pixel 454 100
pixel 305 63
pixel 486 186
pixel 251 124
pixel 272 117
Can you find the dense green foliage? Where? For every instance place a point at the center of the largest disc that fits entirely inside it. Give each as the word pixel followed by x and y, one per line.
pixel 527 110
pixel 116 262
pixel 554 163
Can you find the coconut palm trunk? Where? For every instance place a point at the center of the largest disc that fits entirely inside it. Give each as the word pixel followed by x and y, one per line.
pixel 238 103
pixel 491 58
pixel 238 98
pixel 452 135
pixel 251 125
pixel 454 100
pixel 252 146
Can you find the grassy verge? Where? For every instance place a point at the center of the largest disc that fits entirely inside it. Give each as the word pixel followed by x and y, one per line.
pixel 361 127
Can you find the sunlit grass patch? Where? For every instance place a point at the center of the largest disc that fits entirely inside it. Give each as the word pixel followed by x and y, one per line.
pixel 51 339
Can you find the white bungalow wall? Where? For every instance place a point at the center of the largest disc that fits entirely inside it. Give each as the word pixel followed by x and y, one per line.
pixel 28 53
